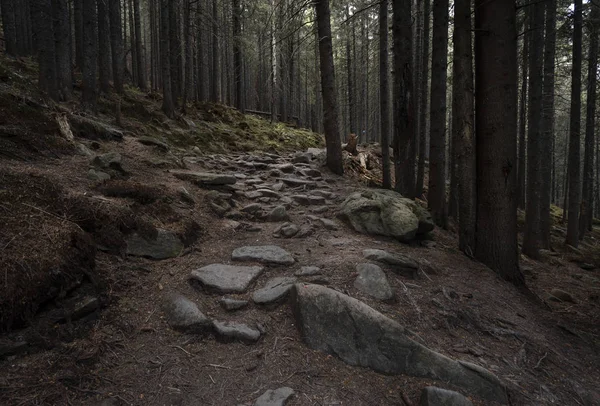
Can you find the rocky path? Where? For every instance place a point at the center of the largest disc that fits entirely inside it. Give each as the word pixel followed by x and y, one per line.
pixel 281 302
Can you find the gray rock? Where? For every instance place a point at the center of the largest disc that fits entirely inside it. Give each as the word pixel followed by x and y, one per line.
pixel 328 224
pixel 301 199
pixel 252 208
pixel 110 160
pixel 97 176
pixel 338 324
pixel 268 193
pixel 433 396
pixel 205 178
pixel 153 142
pixel 277 397
pixel 84 150
pixel 295 182
pixel 325 193
pixel 319 209
pixel 184 315
pixel 227 278
pixel 308 271
pixel 186 196
pixel 288 230
pixel 305 231
pixel 372 280
pixel 398 263
pixel 560 295
pixel 316 200
pixel 302 158
pixel 385 212
pixel 166 245
pixel 274 290
pixel 230 331
pixel 278 187
pixel 285 168
pixel 311 173
pixel 279 213
pixel 230 304
pixel 255 194
pixel 267 254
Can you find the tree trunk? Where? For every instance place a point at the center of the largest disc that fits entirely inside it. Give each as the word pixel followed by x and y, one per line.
pixel 437 144
pixel 349 68
pixel 78 28
pixel 62 35
pixel 44 33
pixel 496 147
pixel 201 53
pixel 423 112
pixel 384 95
pixel 165 55
pixel 463 136
pixel 103 46
pixel 547 149
pixel 237 56
pixel 214 86
pixel 522 163
pixel 116 44
pixel 175 50
pixel 90 56
pixel 590 122
pixel 330 108
pixel 9 26
pixel 141 72
pixel 574 132
pixel 403 111
pixel 532 237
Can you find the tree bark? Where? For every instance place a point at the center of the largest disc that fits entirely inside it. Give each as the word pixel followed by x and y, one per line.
pixel 463 136
pixel 384 95
pixel 423 112
pixel 165 55
pixel 214 86
pixel 141 71
pixel 9 27
pixel 533 234
pixel 103 46
pixel 44 33
pixel 404 117
pixel 62 34
pixel 590 122
pixel 116 44
pixel 237 56
pixel 437 144
pixel 574 132
pixel 330 108
pixel 522 163
pixel 496 124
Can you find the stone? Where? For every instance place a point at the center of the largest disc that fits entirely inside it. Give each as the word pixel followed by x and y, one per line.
pixel 337 324
pixel 252 208
pixel 279 213
pixel 562 296
pixel 301 199
pixel 254 194
pixel 433 396
pixel 295 182
pixel 110 160
pixel 268 193
pixel 277 397
pixel 398 263
pixel 9 347
pixel 278 187
pixel 328 224
pixel 84 150
pixel 203 179
pixel 153 142
pixel 230 304
pixel 285 168
pixel 288 230
pixel 319 209
pixel 316 200
pixel 275 289
pixel 387 213
pixel 231 331
pixel 325 193
pixel 311 173
pixel 372 281
pixel 186 196
pixel 184 315
pixel 97 176
pixel 267 254
pixel 165 245
pixel 227 278
pixel 308 271
pixel 302 158
pixel 305 231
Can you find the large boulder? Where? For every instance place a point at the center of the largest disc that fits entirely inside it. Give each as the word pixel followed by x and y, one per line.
pixel 334 323
pixel 385 212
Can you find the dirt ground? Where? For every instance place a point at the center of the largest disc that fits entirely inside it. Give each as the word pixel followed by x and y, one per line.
pixel 546 352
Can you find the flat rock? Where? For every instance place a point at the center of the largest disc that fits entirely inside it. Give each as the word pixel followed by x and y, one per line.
pixel 372 281
pixel 296 182
pixel 230 304
pixel 285 168
pixel 279 213
pixel 328 224
pixel 337 324
pixel 301 199
pixel 387 213
pixel 274 290
pixel 205 178
pixel 254 194
pixel 165 245
pixel 562 296
pixel 149 141
pixel 434 396
pixel 97 175
pixel 267 254
pixel 287 230
pixel 268 193
pixel 398 263
pixel 316 200
pixel 184 315
pixel 302 158
pixel 277 397
pixel 110 160
pixel 227 278
pixel 308 271
pixel 252 208
pixel 230 331
pixel 311 173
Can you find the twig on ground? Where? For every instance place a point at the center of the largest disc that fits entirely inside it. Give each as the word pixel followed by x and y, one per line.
pixel 405 399
pixel 217 366
pixel 540 361
pixel 182 349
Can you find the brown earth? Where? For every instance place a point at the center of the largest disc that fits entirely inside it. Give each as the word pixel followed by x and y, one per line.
pixel 54 218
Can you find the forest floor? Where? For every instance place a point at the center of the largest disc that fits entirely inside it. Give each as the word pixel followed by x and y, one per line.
pixel 61 242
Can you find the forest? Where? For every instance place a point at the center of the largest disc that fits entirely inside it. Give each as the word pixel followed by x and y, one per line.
pixel 396 149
